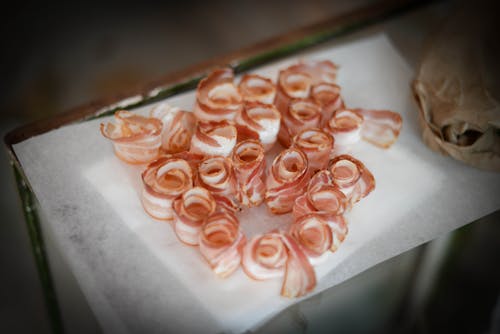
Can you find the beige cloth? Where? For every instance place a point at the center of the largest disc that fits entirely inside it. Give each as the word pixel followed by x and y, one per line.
pixel 458 88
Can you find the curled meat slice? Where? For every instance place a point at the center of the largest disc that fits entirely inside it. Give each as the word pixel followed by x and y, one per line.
pixel 301 114
pixel 259 121
pixel 221 243
pixel 292 84
pixel 216 175
pixel 380 127
pixel 274 255
pixel 339 229
pixel 249 166
pixel 327 95
pixel 352 177
pixel 313 235
pixel 136 139
pixel 178 127
pixel 217 98
pixel 256 88
pixel 164 180
pixel 214 139
pixel 317 145
pixel 288 178
pixel 345 127
pixel 190 212
pixel 322 198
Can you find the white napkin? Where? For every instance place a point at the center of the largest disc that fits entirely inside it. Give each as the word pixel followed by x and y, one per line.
pixel 138 277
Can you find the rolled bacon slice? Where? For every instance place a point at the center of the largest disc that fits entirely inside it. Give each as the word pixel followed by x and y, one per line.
pixel 301 114
pixel 327 95
pixel 214 139
pixel 136 139
pixel 190 212
pixel 338 226
pixel 352 177
pixel 259 121
pixel 216 175
pixel 380 127
pixel 249 165
pixel 164 180
pixel 221 243
pixel 313 235
pixel 274 255
pixel 178 127
pixel 217 98
pixel 345 127
pixel 322 198
pixel 288 178
pixel 317 145
pixel 256 88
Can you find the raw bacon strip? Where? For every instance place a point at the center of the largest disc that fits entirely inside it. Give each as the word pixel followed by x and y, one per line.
pixel 292 84
pixel 274 255
pixel 322 198
pixel 317 145
pixel 352 177
pixel 249 166
pixel 222 242
pixel 136 139
pixel 190 212
pixel 214 139
pixel 339 229
pixel 178 127
pixel 216 175
pixel 380 127
pixel 328 97
pixel 345 127
pixel 314 236
pixel 164 180
pixel 287 180
pixel 256 88
pixel 259 121
pixel 217 98
pixel 301 114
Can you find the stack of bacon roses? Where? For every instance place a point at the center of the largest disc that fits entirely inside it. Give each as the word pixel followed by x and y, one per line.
pixel 207 165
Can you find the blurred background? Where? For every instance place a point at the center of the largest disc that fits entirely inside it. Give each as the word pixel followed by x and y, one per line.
pixel 58 56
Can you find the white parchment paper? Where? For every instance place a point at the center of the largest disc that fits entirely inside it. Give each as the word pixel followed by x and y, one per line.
pixel 139 278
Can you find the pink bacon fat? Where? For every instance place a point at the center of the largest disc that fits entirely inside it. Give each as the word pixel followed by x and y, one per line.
pixel 287 180
pixel 352 177
pixel 164 180
pixel 380 127
pixel 259 121
pixel 249 165
pixel 327 95
pixel 190 212
pixel 275 255
pixel 221 243
pixel 317 145
pixel 214 139
pixel 136 139
pixel 217 98
pixel 178 127
pixel 345 127
pixel 301 114
pixel 216 175
pixel 314 236
pixel 256 88
pixel 322 197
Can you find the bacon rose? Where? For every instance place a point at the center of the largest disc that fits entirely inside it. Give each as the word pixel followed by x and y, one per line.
pixel 256 88
pixel 213 139
pixel 136 139
pixel 164 180
pixel 221 243
pixel 217 98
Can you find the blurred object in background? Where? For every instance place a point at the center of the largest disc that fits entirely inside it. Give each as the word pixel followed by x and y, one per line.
pixel 458 86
